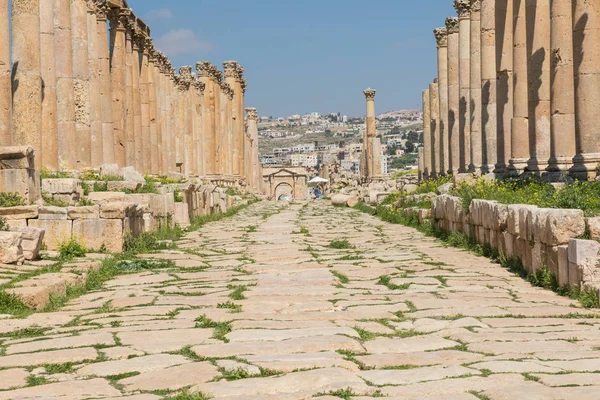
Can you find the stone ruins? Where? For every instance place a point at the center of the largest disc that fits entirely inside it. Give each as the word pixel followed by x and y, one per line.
pixel 370 162
pixel 86 87
pixel 517 90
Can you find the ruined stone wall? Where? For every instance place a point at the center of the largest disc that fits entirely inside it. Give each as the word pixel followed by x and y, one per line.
pixel 87 87
pixel 517 90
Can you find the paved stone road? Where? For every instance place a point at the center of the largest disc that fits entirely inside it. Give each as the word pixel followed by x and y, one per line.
pixel 260 307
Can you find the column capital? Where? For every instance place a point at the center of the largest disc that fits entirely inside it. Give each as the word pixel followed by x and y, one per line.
pixel 200 86
pixel 451 25
pixel 205 69
pixel 148 46
pixel 463 8
pixel 476 5
pixel 227 90
pixel 239 73
pixel 369 94
pixel 441 37
pixel 91 6
pixel 251 113
pixel 184 79
pixel 217 75
pixel 230 68
pixel 119 18
pixel 243 84
pixel 102 9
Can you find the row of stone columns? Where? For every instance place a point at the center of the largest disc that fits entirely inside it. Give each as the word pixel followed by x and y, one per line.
pixel 81 82
pixel 517 90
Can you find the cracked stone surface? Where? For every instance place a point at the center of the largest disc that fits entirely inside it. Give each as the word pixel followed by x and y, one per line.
pixel 295 301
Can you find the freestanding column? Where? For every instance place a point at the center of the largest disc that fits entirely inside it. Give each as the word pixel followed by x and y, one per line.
pixel 488 112
pixel 504 82
pixel 27 80
pixel 253 134
pixel 464 14
pixel 217 79
pixel 5 83
pixel 475 86
pixel 108 142
pixel 146 142
pixel 136 40
pixel 520 121
pixel 48 68
pixel 441 36
pixel 153 83
pixel 230 70
pixel 97 151
pixel 118 70
pixel 586 36
pixel 241 128
pixel 453 95
pixel 427 170
pixel 562 96
pixel 420 162
pixel 203 69
pixel 435 132
pixel 538 32
pixel 371 131
pixel 81 82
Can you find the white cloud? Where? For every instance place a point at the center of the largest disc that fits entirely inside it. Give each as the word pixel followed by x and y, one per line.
pixel 182 41
pixel 160 14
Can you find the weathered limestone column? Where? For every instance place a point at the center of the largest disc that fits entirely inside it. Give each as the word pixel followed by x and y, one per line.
pixel 427 170
pixel 371 132
pixel 475 86
pixel 538 32
pixel 48 68
pixel 188 138
pixel 453 96
pixel 118 70
pixel 562 140
pixel 217 79
pixel 129 106
pixel 241 132
pixel 434 110
pixel 504 83
pixel 420 162
pixel 586 36
pixel 146 142
pixel 81 83
pixel 203 69
pixel 227 138
pixel 153 82
pixel 441 36
pixel 463 7
pixel 198 127
pixel 520 120
pixel 489 123
pixel 136 41
pixel 104 77
pixel 5 81
pixel 230 70
pixel 97 151
pixel 253 133
pixel 27 79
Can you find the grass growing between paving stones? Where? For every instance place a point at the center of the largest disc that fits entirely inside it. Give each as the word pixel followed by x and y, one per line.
pixel 237 292
pixel 220 328
pixel 385 280
pixel 340 244
pixel 341 277
pixel 540 278
pixel 187 395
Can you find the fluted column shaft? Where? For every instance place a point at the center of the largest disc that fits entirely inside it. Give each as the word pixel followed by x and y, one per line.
pixel 475 88
pixel 146 141
pixel 129 100
pixel 538 33
pixel 463 8
pixel 48 71
pixel 520 120
pixel 562 141
pixel 97 150
pixel 442 48
pixel 488 112
pixel 504 82
pixel 453 95
pixel 5 82
pixel 427 169
pixel 136 88
pixel 586 36
pixel 27 80
pixel 434 110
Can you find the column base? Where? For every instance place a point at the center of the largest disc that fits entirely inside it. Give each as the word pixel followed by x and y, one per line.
pixel 500 168
pixel 517 166
pixel 585 166
pixel 558 169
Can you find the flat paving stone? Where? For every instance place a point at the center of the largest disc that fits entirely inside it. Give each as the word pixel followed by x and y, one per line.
pixel 171 378
pixel 92 388
pixel 137 364
pixel 13 378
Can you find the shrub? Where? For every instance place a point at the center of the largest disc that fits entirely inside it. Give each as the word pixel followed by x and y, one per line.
pixel 71 248
pixel 46 174
pixel 178 197
pixel 51 201
pixel 431 185
pixel 11 199
pixel 340 244
pixel 3 224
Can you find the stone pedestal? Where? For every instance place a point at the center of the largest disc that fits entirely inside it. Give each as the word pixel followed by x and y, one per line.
pixel 453 94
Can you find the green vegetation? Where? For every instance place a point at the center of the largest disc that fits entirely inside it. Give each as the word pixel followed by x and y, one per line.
pixel 3 224
pixel 178 197
pixel 71 248
pixel 187 395
pixel 237 292
pixel 341 277
pixel 46 174
pixel 11 199
pixel 163 180
pixel 53 202
pixel 340 244
pixel 220 328
pixel 404 161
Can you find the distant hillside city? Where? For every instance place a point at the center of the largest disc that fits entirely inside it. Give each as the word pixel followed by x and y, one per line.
pixel 313 139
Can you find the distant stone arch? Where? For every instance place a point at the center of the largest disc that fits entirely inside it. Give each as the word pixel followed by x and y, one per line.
pixel 284 191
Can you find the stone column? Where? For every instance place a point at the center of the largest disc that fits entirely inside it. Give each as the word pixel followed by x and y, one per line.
pixel 420 162
pixel 475 86
pixel 504 82
pixel 562 96
pixel 27 79
pixel 463 7
pixel 230 70
pixel 520 120
pixel 48 68
pixel 217 79
pixel 119 80
pixel 187 124
pixel 489 123
pixel 5 81
pixel 146 142
pixel 81 83
pixel 227 136
pixel 97 151
pixel 427 169
pixel 586 36
pixel 104 77
pixel 453 96
pixel 128 104
pixel 252 130
pixel 198 127
pixel 441 36
pixel 241 133
pixel 371 132
pixel 137 42
pixel 434 110
pixel 538 32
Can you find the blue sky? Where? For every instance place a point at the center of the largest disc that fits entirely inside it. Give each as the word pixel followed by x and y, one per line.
pixel 308 55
